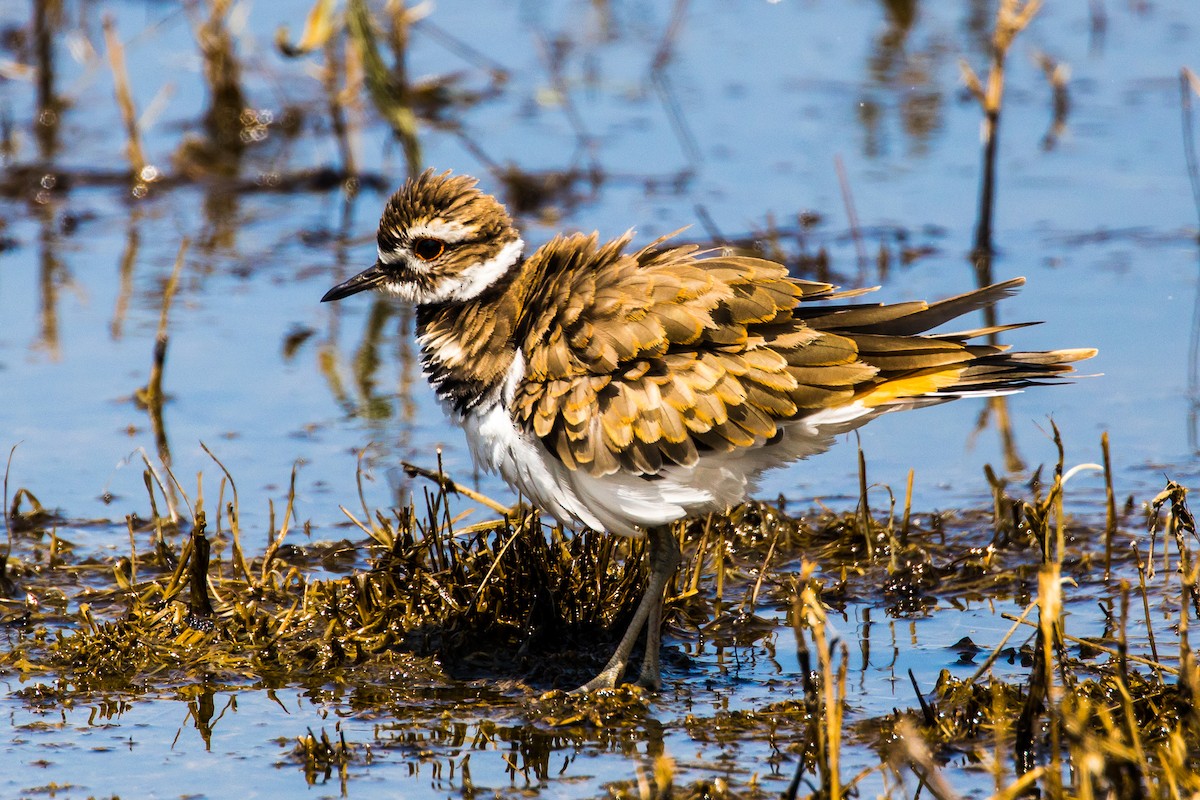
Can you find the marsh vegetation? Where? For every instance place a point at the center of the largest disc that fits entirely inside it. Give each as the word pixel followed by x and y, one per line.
pixel 245 555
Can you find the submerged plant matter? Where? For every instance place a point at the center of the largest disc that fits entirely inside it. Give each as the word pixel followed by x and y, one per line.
pixel 514 607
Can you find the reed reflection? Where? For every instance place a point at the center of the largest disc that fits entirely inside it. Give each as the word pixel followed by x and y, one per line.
pixel 129 256
pixel 910 72
pixel 52 277
pixel 47 27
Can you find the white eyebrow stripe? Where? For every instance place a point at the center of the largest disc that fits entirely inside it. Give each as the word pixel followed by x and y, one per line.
pixel 448 231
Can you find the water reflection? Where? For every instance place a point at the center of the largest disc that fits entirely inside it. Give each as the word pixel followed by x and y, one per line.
pixel 225 122
pixel 911 73
pixel 47 21
pixel 129 257
pixel 385 324
pixel 389 87
pixel 201 707
pixel 995 409
pixel 53 277
pixel 152 396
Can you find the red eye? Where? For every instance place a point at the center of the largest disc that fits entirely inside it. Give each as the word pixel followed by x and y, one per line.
pixel 428 249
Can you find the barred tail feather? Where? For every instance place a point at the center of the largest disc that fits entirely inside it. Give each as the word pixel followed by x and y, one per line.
pixel 988 375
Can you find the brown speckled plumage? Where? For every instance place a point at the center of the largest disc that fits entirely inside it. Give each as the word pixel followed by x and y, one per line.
pixel 624 389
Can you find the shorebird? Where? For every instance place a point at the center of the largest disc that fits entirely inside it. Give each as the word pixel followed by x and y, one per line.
pixel 624 389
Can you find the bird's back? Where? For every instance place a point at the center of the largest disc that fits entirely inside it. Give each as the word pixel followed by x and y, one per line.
pixel 651 360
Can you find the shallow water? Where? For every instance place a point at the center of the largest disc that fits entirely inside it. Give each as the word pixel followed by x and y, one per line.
pixel 744 122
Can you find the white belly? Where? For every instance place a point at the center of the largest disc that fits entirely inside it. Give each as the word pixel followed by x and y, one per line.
pixel 625 504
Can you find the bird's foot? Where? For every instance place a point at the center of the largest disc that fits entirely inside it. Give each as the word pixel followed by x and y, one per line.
pixel 605 680
pixel 650 678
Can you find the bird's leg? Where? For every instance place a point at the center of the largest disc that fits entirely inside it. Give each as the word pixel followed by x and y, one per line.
pixel 664 557
pixel 664 560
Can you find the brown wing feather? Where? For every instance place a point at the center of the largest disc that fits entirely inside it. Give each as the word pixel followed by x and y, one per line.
pixel 640 360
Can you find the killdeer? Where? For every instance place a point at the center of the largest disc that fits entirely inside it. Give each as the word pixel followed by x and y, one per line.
pixel 625 389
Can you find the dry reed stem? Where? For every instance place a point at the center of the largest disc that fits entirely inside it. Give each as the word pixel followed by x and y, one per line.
pixel 752 598
pixel 447 484
pixel 917 754
pixel 1141 568
pixel 319 29
pixel 1049 635
pixel 1192 80
pixel 831 692
pixel 277 541
pixel 239 556
pixel 865 521
pixel 991 659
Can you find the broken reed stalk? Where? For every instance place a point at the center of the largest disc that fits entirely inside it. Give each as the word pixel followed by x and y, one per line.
pixel 1001 506
pixel 7 521
pixel 1110 507
pixel 338 97
pixel 693 585
pixel 1141 568
pixel 448 485
pixel 133 556
pixel 863 505
pixel 199 603
pixel 752 598
pixel 48 20
pixel 223 73
pixel 116 62
pixel 1044 696
pixel 1128 716
pixel 152 478
pixel 1012 17
pixel 1181 526
pixel 277 540
pixel 320 29
pixel 719 568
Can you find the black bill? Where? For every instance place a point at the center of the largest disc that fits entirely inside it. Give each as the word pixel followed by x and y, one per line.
pixel 367 279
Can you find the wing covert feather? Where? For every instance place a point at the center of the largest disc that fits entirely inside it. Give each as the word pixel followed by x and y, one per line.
pixel 642 360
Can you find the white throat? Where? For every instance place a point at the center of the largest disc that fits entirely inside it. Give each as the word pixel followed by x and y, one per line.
pixel 476 278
